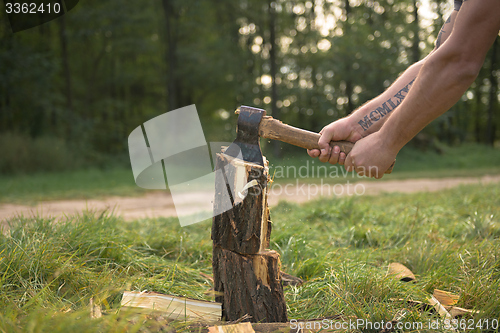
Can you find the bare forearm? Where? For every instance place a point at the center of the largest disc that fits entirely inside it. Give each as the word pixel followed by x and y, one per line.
pixel 446 74
pixel 439 85
pixel 370 117
pixel 444 77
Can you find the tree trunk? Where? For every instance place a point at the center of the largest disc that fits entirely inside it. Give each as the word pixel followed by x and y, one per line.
pixel 477 118
pixel 348 83
pixel 170 57
pixel 416 40
pixel 67 76
pixel 64 55
pixel 272 59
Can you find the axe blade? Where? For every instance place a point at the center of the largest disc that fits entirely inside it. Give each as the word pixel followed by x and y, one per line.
pixel 246 146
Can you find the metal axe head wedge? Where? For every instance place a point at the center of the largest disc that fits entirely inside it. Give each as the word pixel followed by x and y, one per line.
pixel 246 146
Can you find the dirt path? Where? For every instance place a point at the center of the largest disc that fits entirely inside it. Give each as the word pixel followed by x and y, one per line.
pixel 160 203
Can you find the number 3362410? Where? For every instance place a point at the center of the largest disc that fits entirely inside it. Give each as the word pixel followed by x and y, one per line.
pixel 32 8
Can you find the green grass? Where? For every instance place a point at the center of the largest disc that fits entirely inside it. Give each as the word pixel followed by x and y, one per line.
pixel 449 239
pixel 463 161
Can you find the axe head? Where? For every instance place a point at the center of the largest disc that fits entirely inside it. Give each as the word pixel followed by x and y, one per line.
pixel 247 146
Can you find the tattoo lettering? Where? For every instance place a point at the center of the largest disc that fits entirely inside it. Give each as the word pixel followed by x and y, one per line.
pixel 383 110
pixel 441 32
pixel 438 41
pixel 365 123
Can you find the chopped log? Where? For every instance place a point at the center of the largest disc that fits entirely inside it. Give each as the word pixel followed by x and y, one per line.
pixel 245 228
pixel 250 285
pixel 247 278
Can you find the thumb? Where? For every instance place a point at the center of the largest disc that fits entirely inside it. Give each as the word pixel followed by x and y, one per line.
pixel 327 135
pixel 348 163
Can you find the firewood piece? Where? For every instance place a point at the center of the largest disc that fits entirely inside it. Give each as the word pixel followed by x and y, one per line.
pixel 455 311
pixel 175 307
pixel 400 272
pixel 250 284
pixel 440 309
pixel 245 228
pixel 234 328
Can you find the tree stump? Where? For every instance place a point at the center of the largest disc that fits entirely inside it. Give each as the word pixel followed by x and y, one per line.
pixel 247 275
pixel 249 284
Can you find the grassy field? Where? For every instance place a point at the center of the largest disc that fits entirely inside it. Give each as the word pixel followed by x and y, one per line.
pixel 464 161
pixel 342 247
pixel 79 184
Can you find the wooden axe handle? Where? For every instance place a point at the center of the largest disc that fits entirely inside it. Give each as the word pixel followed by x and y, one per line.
pixel 274 129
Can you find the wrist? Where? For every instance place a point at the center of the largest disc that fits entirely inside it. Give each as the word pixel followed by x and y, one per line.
pixel 391 138
pixel 355 121
pixel 348 128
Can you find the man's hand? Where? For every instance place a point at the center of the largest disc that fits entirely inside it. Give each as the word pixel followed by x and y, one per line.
pixel 371 156
pixel 342 129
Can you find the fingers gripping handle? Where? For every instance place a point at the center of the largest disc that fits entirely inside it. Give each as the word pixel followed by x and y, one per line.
pixel 274 129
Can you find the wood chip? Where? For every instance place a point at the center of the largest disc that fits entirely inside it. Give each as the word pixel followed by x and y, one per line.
pixel 446 298
pixel 400 272
pixel 290 280
pixel 95 310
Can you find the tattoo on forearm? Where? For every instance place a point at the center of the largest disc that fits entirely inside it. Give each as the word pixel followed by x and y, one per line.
pixel 438 41
pixel 441 32
pixel 385 108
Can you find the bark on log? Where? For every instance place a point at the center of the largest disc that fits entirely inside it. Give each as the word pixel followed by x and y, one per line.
pixel 246 276
pixel 250 284
pixel 246 228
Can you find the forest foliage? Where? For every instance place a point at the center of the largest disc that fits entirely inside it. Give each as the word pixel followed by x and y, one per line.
pixel 88 78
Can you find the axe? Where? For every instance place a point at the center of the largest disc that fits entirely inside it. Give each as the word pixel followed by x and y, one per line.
pixel 253 123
